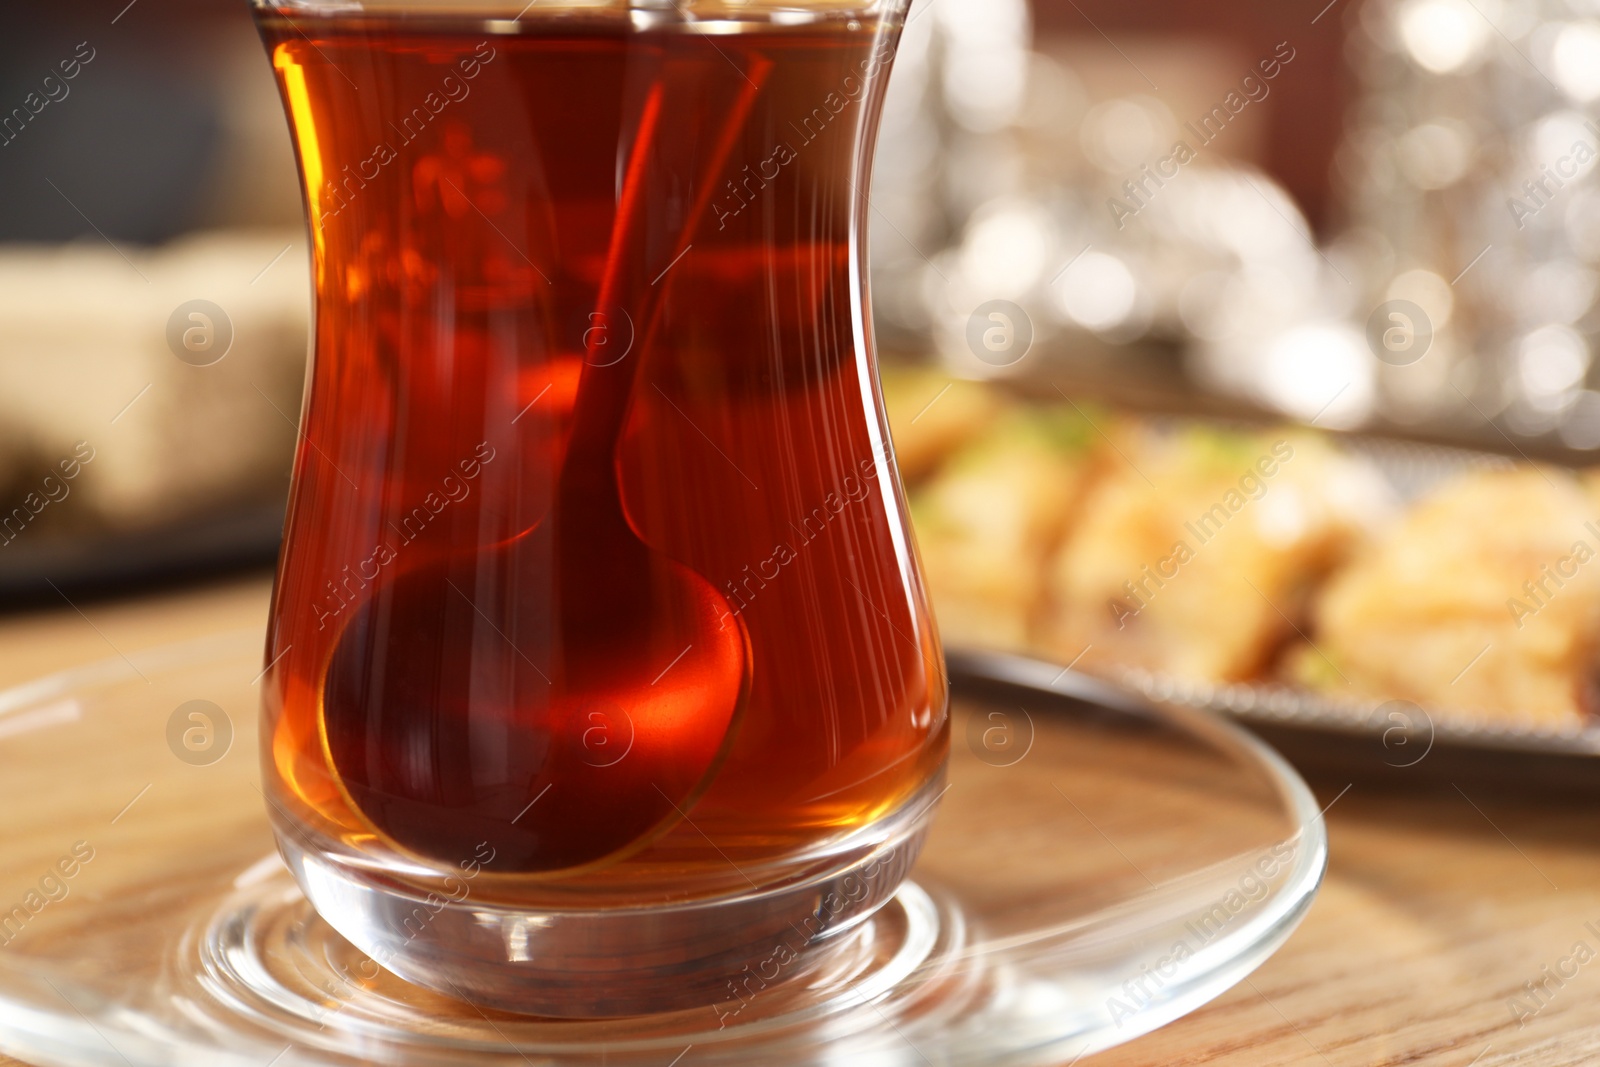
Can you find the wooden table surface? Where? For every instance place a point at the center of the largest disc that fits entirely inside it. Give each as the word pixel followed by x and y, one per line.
pixel 1440 908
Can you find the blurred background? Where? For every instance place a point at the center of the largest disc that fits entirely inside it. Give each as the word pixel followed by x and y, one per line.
pixel 1368 214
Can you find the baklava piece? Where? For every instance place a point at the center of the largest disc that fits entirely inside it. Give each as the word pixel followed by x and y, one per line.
pixel 1196 554
pixel 987 525
pixel 1484 601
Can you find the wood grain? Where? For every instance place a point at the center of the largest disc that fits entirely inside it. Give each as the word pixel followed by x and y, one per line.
pixel 1440 903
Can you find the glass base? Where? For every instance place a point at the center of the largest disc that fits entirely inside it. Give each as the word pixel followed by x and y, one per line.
pixel 1095 871
pixel 606 963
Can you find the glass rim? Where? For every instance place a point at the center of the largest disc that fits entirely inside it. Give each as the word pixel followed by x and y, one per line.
pixel 527 10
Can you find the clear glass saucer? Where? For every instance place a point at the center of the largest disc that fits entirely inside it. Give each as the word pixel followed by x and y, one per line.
pixel 1098 868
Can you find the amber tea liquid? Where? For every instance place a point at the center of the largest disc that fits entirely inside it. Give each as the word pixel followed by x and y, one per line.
pixel 597 580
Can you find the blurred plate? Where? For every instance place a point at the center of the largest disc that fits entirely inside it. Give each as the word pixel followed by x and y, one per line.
pixel 97 562
pixel 1316 727
pixel 1323 737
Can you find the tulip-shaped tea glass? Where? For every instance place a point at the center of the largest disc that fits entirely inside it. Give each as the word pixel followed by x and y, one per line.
pixel 601 674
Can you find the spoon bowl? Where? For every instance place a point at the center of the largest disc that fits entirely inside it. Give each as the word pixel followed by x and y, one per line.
pixel 565 714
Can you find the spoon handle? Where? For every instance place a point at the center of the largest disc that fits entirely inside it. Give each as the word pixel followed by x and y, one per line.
pixel 604 391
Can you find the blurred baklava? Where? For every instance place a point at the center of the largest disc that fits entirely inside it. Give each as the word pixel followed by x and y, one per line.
pixel 1484 600
pixel 986 525
pixel 97 370
pixel 1196 554
pixel 933 415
